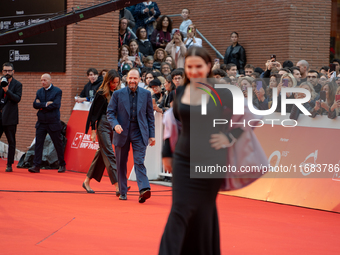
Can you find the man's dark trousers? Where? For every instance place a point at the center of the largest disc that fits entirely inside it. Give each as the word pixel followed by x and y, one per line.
pixel 135 138
pixel 54 130
pixel 9 131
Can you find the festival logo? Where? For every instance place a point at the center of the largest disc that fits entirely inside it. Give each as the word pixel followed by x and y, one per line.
pixel 83 141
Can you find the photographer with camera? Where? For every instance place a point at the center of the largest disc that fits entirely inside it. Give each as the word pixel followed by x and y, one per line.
pixel 10 96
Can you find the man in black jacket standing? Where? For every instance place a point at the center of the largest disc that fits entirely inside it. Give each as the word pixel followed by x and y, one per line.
pixel 48 101
pixel 10 96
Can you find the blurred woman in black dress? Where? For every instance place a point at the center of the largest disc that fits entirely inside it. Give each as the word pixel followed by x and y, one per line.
pixel 104 157
pixel 192 226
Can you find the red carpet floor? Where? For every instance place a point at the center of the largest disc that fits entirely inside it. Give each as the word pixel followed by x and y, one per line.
pixel 70 221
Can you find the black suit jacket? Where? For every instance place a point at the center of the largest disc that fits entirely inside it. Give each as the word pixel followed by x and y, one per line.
pixel 9 103
pixel 49 114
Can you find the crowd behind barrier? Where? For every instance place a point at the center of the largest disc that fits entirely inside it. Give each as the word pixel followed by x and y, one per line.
pixel 150 42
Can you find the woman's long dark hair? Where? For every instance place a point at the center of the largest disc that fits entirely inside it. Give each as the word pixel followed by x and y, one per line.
pixel 105 87
pixel 202 53
pixel 159 26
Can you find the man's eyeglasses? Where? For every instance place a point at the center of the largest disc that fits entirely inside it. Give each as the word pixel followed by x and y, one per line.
pixel 7 71
pixel 311 77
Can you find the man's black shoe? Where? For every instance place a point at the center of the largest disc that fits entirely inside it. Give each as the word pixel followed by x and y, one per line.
pixel 9 169
pixel 62 169
pixel 144 195
pixel 34 169
pixel 123 197
pixel 118 193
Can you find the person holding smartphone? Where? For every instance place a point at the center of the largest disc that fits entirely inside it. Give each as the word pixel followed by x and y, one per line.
pixel 336 63
pixel 191 39
pixel 134 52
pixel 271 66
pixel 260 100
pixel 273 83
pixel 295 112
pixel 335 109
pixel 244 83
pixel 123 54
pixel 287 81
pixel 337 80
pixel 326 100
pixel 176 49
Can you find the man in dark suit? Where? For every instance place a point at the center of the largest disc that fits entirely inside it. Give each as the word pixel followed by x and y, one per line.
pixel 130 113
pixel 10 96
pixel 48 102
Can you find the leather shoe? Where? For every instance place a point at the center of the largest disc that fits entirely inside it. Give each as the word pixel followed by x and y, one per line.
pixel 9 169
pixel 62 169
pixel 118 193
pixel 144 195
pixel 122 197
pixel 34 169
pixel 88 190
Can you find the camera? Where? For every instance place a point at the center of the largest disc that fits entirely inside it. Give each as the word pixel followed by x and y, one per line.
pixel 4 82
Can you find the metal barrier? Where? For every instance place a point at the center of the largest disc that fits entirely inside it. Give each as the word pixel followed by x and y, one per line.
pixel 130 30
pixel 212 46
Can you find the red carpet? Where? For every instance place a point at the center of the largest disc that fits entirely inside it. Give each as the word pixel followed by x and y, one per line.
pixel 70 221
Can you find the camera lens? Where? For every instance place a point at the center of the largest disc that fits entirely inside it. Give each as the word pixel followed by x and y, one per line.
pixel 4 82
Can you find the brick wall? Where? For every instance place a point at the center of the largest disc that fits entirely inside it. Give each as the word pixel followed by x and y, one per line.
pixel 90 43
pixel 290 29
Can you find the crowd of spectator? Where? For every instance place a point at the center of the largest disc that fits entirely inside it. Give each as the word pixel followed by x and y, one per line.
pixel 149 42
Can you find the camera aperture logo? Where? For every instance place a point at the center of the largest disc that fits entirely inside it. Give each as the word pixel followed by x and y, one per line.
pixel 239 104
pixel 204 109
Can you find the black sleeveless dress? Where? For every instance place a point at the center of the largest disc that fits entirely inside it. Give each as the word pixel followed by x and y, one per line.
pixel 192 226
